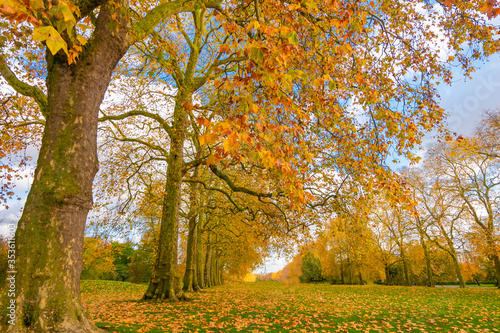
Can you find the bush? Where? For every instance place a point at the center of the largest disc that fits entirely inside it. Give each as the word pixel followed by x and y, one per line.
pixel 98 260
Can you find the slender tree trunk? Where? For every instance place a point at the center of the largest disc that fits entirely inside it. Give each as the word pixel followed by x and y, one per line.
pixel 458 271
pixel 164 280
pixel 199 256
pixel 49 237
pixel 190 279
pixel 430 275
pixel 350 270
pixel 342 270
pixel 360 276
pixel 190 276
pixel 218 267
pixel 221 277
pixel 213 266
pixel 387 275
pixel 405 266
pixel 208 262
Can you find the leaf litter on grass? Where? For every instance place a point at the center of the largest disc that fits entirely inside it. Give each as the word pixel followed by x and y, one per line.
pixel 274 307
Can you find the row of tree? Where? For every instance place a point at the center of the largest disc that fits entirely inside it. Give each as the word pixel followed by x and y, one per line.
pixel 450 231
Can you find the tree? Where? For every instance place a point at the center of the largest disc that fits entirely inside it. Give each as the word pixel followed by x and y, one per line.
pixel 395 219
pixel 98 260
pixel 311 268
pixel 54 216
pixel 445 213
pixel 122 253
pixel 475 179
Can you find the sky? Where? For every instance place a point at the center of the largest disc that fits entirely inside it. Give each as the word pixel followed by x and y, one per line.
pixel 465 100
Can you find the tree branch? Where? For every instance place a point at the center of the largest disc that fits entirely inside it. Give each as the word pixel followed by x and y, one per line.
pixel 208 188
pixel 87 6
pixel 23 88
pixel 235 188
pixel 163 123
pixel 146 25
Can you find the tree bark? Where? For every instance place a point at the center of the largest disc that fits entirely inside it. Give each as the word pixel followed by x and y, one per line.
pixel 405 265
pixel 387 275
pixel 342 270
pixel 49 237
pixel 200 271
pixel 360 276
pixel 213 274
pixel 164 280
pixel 190 278
pixel 458 271
pixel 493 254
pixel 430 275
pixel 208 262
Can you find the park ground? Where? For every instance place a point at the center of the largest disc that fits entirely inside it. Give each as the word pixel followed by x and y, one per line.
pixel 275 307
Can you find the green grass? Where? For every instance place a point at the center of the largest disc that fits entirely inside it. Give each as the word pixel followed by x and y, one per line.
pixel 274 307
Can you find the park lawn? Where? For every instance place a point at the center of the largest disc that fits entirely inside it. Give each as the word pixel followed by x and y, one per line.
pixel 275 307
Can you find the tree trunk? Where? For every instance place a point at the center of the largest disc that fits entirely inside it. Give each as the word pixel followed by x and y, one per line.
pixel 190 278
pixel 430 275
pixel 351 272
pixel 387 275
pixel 493 253
pixel 164 280
pixel 213 272
pixel 456 264
pixel 221 278
pixel 199 256
pixel 360 276
pixel 405 266
pixel 218 269
pixel 496 261
pixel 208 262
pixel 49 237
pixel 342 270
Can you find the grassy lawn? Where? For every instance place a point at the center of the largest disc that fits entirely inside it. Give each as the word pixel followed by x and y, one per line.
pixel 274 307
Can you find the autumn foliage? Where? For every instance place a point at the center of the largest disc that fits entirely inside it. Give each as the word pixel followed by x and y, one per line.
pixel 227 131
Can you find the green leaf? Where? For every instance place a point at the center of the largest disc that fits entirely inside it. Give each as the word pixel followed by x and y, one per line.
pixel 292 38
pixel 256 55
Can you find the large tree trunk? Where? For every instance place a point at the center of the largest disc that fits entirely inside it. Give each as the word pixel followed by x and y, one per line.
pixel 493 253
pixel 49 237
pixel 496 261
pixel 164 282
